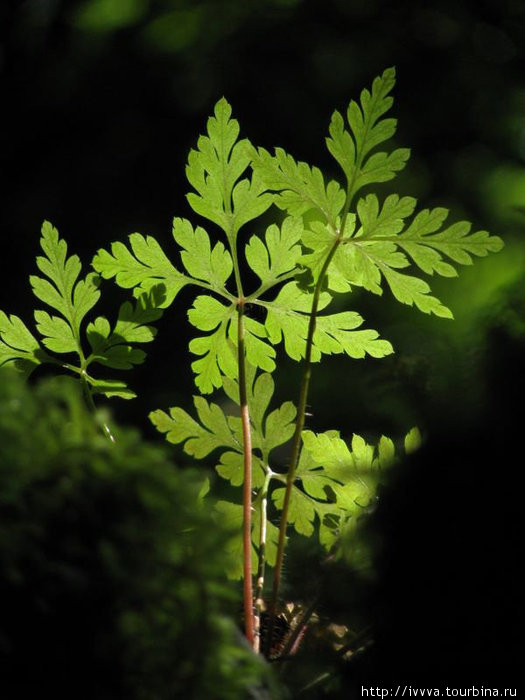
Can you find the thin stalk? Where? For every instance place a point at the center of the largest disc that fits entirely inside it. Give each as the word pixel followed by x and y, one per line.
pixel 86 389
pixel 303 396
pixel 249 617
pixel 268 285
pixel 247 485
pixel 296 445
pixel 259 589
pixel 91 405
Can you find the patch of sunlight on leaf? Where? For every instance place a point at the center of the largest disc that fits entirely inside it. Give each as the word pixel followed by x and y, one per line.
pixel 480 288
pixel 504 192
pixel 109 15
pixel 174 31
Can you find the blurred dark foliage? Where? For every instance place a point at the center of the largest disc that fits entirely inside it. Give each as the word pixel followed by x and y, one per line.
pixel 447 601
pixel 443 603
pixel 111 582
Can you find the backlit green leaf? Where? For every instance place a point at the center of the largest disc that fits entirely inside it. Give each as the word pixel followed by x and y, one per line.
pixel 231 468
pixel 201 262
pixel 269 431
pixel 58 334
pixel 17 345
pixel 111 388
pixel 301 187
pixel 199 438
pixel 336 483
pixel 214 170
pixel 413 441
pixel 63 291
pixel 113 348
pixel 320 238
pixel 279 427
pixel 334 333
pixel 218 350
pixel 278 254
pixel 411 290
pixel 218 354
pixel 383 244
pixel 352 149
pixel 287 319
pixel 72 298
pixel 302 511
pixel 143 265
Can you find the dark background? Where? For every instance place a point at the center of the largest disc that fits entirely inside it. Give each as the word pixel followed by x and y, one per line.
pixel 102 100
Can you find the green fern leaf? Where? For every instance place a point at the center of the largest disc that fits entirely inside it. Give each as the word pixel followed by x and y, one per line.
pixel 367 130
pixel 302 511
pixel 273 259
pixel 423 240
pixel 113 348
pixel 335 485
pixel 269 431
pixel 456 242
pixel 143 266
pixel 111 388
pixel 319 239
pixel 288 319
pixel 388 220
pixel 231 468
pixel 279 427
pixel 217 353
pixel 58 334
pixel 364 262
pixel 17 345
pixel 214 170
pixel 215 429
pixel 309 497
pixel 199 439
pixel 64 292
pixel 201 262
pixel 327 461
pixel 217 348
pixel 73 298
pixel 383 244
pixel 258 351
pixel 414 291
pixel 301 188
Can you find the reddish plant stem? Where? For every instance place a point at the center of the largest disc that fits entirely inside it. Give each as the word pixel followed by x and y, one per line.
pixel 247 486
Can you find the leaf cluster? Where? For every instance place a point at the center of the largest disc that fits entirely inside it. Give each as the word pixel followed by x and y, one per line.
pixel 332 236
pixel 330 239
pixel 378 240
pixel 64 331
pixel 336 485
pixel 229 198
pixel 218 429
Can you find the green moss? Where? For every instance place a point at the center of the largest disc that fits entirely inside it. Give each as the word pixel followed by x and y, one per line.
pixel 111 572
